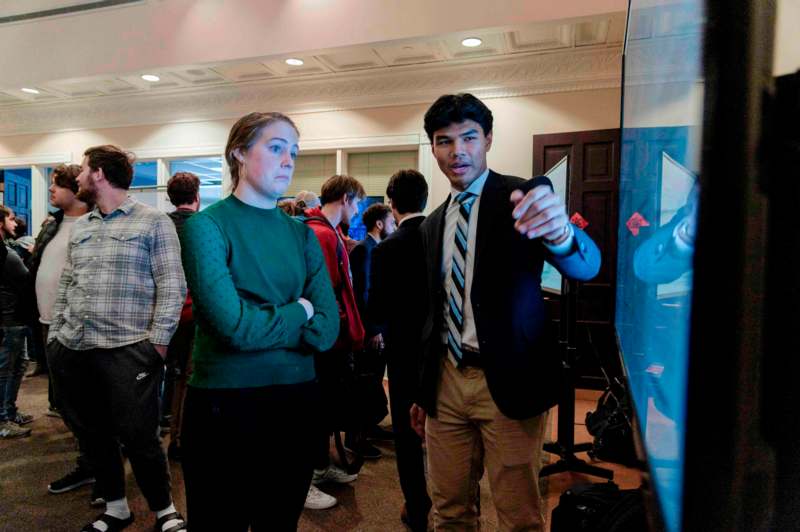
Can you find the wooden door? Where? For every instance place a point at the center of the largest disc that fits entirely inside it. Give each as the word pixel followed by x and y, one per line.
pixel 591 160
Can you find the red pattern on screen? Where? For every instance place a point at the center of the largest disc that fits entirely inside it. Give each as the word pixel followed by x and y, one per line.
pixel 635 222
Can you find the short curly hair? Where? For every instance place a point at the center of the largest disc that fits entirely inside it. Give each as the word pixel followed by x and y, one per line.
pixel 182 188
pixel 65 176
pixel 377 212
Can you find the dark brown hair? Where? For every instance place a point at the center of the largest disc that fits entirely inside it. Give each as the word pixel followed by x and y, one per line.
pixel 116 163
pixel 182 188
pixel 245 133
pixel 289 206
pixel 336 186
pixel 5 212
pixel 377 212
pixel 65 176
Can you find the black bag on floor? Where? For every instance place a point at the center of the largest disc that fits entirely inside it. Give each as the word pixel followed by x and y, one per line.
pixel 611 426
pixel 599 507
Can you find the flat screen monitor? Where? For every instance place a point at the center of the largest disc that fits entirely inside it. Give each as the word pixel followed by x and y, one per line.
pixel 662 112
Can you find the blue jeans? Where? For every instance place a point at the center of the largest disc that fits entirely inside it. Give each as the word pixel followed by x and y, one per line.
pixel 12 369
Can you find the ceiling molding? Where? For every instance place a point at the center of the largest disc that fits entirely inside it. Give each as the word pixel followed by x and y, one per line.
pixel 516 75
pixel 356 143
pixel 40 159
pixel 179 152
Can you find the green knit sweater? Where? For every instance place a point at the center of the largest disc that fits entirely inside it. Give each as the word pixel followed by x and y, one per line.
pixel 246 268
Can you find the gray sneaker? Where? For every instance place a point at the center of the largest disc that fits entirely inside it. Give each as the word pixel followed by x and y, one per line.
pixel 332 474
pixel 10 430
pixel 22 419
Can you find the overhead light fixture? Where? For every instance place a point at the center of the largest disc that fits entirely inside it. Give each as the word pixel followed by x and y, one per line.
pixel 294 62
pixel 151 78
pixel 30 91
pixel 471 42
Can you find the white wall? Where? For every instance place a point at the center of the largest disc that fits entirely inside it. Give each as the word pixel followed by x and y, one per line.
pixel 787 43
pixel 516 121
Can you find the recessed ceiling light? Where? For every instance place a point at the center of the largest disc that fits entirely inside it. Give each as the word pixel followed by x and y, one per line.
pixel 151 77
pixel 471 42
pixel 30 91
pixel 294 62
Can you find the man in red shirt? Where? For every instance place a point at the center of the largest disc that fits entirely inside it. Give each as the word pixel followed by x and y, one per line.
pixel 340 195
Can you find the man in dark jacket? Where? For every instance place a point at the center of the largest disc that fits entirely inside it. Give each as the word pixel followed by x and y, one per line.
pixel 13 281
pixel 397 286
pixel 490 372
pixel 183 190
pixel 379 223
pixel 46 264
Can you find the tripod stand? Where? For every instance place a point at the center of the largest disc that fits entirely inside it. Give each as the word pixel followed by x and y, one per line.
pixel 565 446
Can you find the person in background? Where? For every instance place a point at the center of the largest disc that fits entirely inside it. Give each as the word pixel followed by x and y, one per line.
pixel 23 239
pixel 46 265
pixel 13 287
pixel 398 284
pixel 379 223
pixel 490 371
pixel 305 199
pixel 289 206
pixel 339 196
pixel 263 306
pixel 183 190
pixel 118 303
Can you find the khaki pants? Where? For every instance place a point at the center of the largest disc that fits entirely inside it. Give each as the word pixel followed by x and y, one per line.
pixel 467 425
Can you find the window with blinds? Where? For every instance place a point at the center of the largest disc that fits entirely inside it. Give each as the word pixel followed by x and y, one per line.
pixel 310 171
pixel 374 169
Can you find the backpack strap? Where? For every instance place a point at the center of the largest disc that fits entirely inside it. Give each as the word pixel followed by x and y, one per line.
pixel 339 247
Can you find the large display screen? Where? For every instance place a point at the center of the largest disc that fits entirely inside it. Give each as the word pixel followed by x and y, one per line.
pixel 659 170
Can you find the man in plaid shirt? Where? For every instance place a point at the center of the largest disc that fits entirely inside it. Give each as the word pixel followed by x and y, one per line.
pixel 119 302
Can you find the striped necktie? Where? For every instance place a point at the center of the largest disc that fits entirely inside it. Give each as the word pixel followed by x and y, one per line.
pixel 458 277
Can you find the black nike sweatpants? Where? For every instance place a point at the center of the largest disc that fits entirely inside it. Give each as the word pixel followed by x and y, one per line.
pixel 108 397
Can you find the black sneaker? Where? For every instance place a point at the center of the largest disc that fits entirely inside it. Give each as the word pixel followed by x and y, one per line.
pixel 379 433
pixel 165 425
pixel 174 452
pixel 365 450
pixel 72 480
pixel 96 500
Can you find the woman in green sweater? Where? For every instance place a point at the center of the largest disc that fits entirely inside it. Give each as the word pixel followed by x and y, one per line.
pixel 263 305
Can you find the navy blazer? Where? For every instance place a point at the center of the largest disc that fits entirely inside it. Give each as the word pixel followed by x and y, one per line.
pixel 360 265
pixel 519 356
pixel 398 284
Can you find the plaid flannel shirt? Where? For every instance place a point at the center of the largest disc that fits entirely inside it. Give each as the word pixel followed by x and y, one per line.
pixel 123 281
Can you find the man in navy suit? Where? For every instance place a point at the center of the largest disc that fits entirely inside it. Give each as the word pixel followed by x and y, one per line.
pixel 490 371
pixel 379 223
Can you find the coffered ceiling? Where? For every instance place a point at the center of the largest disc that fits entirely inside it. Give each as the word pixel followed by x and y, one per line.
pixel 561 36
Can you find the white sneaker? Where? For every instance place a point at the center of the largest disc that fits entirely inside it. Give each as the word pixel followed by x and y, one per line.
pixel 318 500
pixel 332 474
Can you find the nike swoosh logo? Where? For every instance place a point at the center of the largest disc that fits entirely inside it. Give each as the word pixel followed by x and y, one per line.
pixel 141 376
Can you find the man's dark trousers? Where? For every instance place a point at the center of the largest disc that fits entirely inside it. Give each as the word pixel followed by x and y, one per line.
pixel 403 381
pixel 108 397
